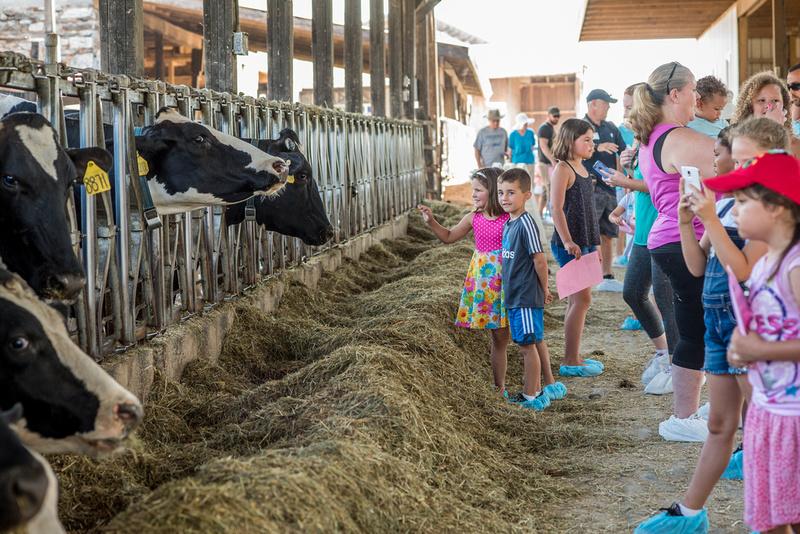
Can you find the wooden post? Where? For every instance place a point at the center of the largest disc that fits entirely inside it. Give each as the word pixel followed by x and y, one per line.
pixel 122 37
pixel 377 58
pixel 743 55
pixel 428 109
pixel 159 66
pixel 220 20
pixel 280 48
pixel 396 57
pixel 780 48
pixel 197 66
pixel 353 57
pixel 409 63
pixel 322 50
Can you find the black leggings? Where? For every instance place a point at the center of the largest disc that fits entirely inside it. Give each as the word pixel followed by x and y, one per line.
pixel 688 304
pixel 640 275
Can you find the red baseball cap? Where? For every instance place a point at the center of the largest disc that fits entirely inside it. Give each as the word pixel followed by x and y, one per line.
pixel 777 171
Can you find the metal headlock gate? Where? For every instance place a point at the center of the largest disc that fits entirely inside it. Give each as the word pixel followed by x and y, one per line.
pixel 141 278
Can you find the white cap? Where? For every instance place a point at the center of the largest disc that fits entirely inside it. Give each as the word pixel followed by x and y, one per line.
pixel 521 120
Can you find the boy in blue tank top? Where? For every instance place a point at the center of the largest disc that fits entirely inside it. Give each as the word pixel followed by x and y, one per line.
pixel 526 292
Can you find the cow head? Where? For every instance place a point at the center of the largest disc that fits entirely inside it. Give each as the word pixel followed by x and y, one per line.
pixel 297 210
pixel 24 478
pixel 36 175
pixel 70 403
pixel 192 165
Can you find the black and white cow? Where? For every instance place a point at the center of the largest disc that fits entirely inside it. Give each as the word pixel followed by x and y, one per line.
pixel 297 210
pixel 192 165
pixel 70 403
pixel 36 174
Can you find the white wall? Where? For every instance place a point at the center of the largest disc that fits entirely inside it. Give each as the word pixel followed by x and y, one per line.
pixel 718 50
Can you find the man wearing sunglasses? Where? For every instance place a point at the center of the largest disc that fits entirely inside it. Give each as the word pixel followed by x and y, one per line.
pixel 793 81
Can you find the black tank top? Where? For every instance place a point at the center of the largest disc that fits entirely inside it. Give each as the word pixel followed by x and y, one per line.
pixel 580 213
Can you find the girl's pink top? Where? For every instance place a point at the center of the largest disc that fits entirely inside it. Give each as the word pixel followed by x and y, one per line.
pixel 665 192
pixel 488 233
pixel 776 317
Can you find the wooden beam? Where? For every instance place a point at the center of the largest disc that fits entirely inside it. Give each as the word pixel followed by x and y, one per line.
pixel 121 37
pixel 322 49
pixel 396 57
pixel 409 58
pixel 280 45
pixel 743 36
pixel 220 20
pixel 748 7
pixel 780 48
pixel 377 58
pixel 159 56
pixel 172 32
pixel 425 6
pixel 353 57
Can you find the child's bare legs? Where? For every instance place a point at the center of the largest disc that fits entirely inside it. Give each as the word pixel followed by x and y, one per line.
pixel 532 370
pixel 726 403
pixel 577 308
pixel 499 345
pixel 544 360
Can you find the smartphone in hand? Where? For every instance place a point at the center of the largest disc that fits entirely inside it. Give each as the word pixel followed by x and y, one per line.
pixel 602 169
pixel 691 176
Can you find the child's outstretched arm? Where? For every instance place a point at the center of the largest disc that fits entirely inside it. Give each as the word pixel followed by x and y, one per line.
pixel 740 261
pixel 752 348
pixel 694 252
pixel 616 216
pixel 540 266
pixel 446 236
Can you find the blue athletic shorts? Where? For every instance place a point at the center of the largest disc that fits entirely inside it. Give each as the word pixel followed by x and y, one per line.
pixel 527 325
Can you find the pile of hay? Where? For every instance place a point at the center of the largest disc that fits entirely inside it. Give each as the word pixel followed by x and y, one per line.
pixel 356 407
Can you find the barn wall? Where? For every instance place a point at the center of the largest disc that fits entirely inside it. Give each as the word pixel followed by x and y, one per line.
pixel 77 22
pixel 202 337
pixel 719 49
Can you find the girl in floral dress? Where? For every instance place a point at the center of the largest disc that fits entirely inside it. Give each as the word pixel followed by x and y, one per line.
pixel 481 305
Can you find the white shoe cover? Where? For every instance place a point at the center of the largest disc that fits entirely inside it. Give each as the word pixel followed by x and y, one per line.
pixel 657 364
pixel 661 384
pixel 692 428
pixel 703 411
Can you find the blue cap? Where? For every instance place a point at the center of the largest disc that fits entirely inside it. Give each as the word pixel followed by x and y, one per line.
pixel 600 94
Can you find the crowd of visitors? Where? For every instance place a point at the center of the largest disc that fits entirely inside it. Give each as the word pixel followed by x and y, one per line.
pixel 712 208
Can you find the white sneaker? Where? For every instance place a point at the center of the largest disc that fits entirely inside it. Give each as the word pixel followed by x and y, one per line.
pixel 661 384
pixel 703 411
pixel 692 428
pixel 610 285
pixel 657 363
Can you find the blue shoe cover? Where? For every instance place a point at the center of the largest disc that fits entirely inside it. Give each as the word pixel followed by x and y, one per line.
pixel 555 391
pixel 630 324
pixel 585 370
pixel 538 404
pixel 735 469
pixel 594 363
pixel 664 523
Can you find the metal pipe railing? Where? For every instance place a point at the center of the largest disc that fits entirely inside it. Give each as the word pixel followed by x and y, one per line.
pixel 368 170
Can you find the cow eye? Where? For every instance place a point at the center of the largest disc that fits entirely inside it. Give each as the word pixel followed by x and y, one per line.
pixel 199 139
pixel 19 344
pixel 10 182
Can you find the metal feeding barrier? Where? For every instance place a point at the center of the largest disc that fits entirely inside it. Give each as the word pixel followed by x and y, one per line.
pixel 141 278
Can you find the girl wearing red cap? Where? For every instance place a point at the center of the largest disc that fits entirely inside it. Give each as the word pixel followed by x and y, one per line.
pixel 767 209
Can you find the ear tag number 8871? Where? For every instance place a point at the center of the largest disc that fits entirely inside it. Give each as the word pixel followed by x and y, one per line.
pixel 95 179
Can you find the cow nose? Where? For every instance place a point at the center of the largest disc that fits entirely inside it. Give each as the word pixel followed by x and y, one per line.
pixel 327 234
pixel 130 415
pixel 28 488
pixel 66 285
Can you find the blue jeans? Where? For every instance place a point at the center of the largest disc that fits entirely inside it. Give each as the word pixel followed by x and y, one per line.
pixel 563 257
pixel 720 322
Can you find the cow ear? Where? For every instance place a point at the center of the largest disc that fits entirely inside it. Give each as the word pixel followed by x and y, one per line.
pixel 289 139
pixel 82 156
pixel 13 415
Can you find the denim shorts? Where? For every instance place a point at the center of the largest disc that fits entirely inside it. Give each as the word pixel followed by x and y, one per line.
pixel 527 325
pixel 563 257
pixel 720 322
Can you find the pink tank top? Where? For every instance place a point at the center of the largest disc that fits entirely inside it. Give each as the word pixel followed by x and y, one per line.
pixel 488 233
pixel 665 191
pixel 776 317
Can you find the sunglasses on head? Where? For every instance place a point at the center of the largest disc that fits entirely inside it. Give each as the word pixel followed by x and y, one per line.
pixel 671 74
pixel 794 86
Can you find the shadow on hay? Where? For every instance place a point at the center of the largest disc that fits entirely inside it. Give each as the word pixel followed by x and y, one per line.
pixel 354 407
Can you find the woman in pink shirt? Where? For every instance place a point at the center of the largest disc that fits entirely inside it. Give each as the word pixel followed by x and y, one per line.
pixel 661 109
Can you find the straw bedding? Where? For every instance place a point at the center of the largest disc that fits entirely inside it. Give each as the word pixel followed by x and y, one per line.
pixel 355 407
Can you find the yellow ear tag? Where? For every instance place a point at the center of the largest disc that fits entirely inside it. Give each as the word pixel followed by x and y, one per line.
pixel 95 179
pixel 290 179
pixel 144 168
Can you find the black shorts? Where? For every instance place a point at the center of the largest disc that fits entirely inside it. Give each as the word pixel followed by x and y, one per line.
pixel 604 204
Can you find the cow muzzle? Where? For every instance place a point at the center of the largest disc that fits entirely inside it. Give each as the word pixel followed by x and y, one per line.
pixel 24 488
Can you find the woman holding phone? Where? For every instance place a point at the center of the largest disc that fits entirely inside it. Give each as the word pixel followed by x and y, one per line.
pixel 661 109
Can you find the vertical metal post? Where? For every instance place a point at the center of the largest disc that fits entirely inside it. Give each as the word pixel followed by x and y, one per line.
pixel 185 107
pixel 88 125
